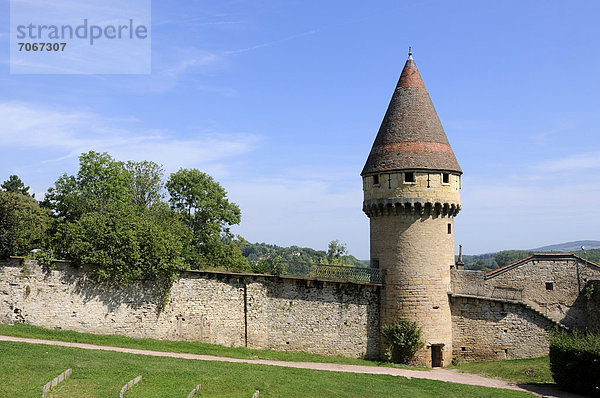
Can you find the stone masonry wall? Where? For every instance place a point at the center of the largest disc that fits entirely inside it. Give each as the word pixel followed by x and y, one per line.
pixel 427 187
pixel 551 284
pixel 418 276
pixel 259 311
pixel 493 330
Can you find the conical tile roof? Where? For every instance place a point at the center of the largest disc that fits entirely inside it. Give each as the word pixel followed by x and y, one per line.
pixel 411 135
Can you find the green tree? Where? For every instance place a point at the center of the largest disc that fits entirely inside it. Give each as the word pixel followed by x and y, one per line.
pixel 15 185
pixel 505 257
pixel 23 224
pixel 101 182
pixel 203 205
pixel 203 201
pixel 147 182
pixel 336 252
pixel 100 218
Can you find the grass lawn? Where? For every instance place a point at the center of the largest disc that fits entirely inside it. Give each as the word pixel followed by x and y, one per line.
pixel 25 368
pixel 531 371
pixel 35 332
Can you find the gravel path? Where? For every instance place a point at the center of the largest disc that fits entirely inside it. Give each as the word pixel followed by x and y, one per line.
pixel 434 374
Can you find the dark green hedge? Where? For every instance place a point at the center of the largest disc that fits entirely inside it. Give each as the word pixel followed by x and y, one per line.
pixel 575 362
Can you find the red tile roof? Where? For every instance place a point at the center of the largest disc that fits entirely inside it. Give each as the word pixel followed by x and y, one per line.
pixel 411 136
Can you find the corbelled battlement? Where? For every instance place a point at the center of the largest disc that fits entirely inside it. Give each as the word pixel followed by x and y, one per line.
pixel 427 193
pixel 397 206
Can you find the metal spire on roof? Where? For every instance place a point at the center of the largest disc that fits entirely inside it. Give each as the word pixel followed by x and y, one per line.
pixel 410 52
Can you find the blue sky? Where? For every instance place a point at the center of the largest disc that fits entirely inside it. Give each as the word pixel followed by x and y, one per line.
pixel 281 101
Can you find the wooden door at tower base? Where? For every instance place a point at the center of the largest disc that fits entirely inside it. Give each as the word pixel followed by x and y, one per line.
pixel 436 355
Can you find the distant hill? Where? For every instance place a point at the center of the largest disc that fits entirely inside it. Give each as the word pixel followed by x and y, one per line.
pixel 264 252
pixel 570 246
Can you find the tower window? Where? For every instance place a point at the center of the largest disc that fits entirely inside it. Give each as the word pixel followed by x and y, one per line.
pixel 409 176
pixel 549 286
pixel 376 179
pixel 446 178
pixel 449 228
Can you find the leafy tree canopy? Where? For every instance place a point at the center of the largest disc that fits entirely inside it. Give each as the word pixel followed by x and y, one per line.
pixel 264 258
pixel 23 224
pixel 203 202
pixel 15 185
pixel 203 205
pixel 147 182
pixel 336 252
pixel 100 183
pixel 110 214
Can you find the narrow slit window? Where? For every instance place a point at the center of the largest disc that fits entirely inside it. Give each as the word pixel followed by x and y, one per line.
pixel 449 228
pixel 376 179
pixel 409 176
pixel 446 178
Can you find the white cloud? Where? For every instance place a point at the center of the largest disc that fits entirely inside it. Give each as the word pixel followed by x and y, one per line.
pixel 271 43
pixel 190 59
pixel 66 134
pixel 573 163
pixel 174 63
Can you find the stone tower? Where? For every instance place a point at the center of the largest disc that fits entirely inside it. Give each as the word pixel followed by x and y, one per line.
pixel 411 184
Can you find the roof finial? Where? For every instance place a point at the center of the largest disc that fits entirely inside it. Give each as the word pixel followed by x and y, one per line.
pixel 409 52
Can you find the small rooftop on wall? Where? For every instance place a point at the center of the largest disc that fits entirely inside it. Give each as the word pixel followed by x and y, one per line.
pixel 411 136
pixel 540 257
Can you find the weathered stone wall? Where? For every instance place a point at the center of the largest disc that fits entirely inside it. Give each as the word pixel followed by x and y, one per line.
pixel 550 283
pixel 428 187
pixel 507 313
pixel 316 317
pixel 495 330
pixel 269 312
pixel 562 300
pixel 416 252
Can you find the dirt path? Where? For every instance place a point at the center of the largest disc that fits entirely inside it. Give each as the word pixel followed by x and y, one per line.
pixel 434 374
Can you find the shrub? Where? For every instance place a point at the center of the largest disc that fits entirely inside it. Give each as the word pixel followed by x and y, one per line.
pixel 45 258
pixel 125 245
pixel 404 340
pixel 575 362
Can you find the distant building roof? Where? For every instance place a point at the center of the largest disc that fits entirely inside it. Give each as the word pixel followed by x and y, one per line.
pixel 411 136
